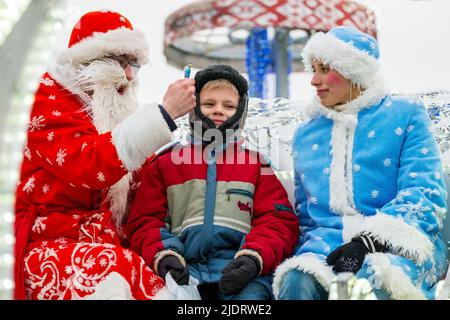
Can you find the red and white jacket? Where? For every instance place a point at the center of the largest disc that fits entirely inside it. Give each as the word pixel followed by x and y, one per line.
pixel 209 212
pixel 67 170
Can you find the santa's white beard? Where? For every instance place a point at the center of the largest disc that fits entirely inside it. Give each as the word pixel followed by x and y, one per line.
pixel 103 78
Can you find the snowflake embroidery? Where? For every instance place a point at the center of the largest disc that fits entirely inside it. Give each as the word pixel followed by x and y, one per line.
pixel 29 185
pixel 437 175
pixel 387 163
pixel 371 134
pixel 326 171
pixel 153 279
pixel 52 97
pixel 47 82
pixel 122 19
pixel 45 188
pixel 313 200
pixel 414 210
pixel 127 255
pixel 388 104
pixel 77 135
pixel 84 145
pixel 410 128
pixel 103 262
pixel 68 270
pixel 27 153
pixel 60 157
pixel 432 192
pixel 413 175
pixel 440 214
pixel 402 194
pixel 356 168
pixel 374 194
pixel 101 176
pixel 61 241
pixel 85 186
pixel 39 225
pixel 399 131
pixel 424 151
pixel 56 113
pixel 349 264
pixel 315 147
pixel 36 123
pixel 90 262
pixel 50 136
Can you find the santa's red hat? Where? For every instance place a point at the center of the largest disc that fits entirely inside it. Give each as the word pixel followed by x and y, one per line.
pixel 102 33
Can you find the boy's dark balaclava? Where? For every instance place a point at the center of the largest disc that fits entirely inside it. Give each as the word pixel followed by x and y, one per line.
pixel 236 121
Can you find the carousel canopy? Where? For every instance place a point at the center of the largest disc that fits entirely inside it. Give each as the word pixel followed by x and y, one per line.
pixel 215 31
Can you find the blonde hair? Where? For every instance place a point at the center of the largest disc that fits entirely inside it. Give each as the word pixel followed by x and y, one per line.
pixel 220 83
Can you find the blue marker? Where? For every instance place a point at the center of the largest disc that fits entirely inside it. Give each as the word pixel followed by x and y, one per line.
pixel 187 71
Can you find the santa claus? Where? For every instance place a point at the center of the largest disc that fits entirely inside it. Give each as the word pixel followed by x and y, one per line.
pixel 86 140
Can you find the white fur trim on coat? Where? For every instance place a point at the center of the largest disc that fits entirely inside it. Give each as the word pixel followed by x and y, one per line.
pixel 252 253
pixel 140 135
pixel 308 263
pixel 164 253
pixel 368 98
pixel 117 42
pixel 341 199
pixel 402 238
pixel 352 63
pixel 392 279
pixel 114 287
pixel 342 138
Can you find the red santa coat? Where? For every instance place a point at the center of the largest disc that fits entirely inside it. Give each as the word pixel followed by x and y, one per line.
pixel 60 209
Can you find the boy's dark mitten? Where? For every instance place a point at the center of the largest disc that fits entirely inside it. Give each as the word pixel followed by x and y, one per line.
pixel 238 274
pixel 179 272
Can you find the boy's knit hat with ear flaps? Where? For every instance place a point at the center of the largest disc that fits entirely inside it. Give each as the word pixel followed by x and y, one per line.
pixel 352 53
pixel 215 72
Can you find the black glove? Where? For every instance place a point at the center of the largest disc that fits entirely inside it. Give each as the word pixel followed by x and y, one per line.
pixel 350 256
pixel 179 272
pixel 238 274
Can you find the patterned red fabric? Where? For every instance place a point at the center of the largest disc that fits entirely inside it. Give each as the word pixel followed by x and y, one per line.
pixel 67 169
pixel 68 269
pixel 97 21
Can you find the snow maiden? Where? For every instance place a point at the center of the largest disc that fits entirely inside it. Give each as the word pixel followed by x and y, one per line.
pixel 369 189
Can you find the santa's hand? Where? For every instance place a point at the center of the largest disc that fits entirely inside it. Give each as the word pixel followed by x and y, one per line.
pixel 180 98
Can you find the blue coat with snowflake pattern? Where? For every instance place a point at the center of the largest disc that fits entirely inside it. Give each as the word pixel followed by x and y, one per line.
pixel 373 167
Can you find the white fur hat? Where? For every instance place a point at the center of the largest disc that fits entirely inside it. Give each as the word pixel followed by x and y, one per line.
pixel 101 33
pixel 347 50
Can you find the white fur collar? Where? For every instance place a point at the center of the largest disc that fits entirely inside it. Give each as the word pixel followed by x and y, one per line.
pixel 367 99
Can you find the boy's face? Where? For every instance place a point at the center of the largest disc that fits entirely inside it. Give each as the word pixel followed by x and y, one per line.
pixel 218 104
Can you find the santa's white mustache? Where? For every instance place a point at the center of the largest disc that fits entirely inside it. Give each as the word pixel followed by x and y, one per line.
pixel 103 73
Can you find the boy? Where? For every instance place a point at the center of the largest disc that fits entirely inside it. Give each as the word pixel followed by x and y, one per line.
pixel 221 215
